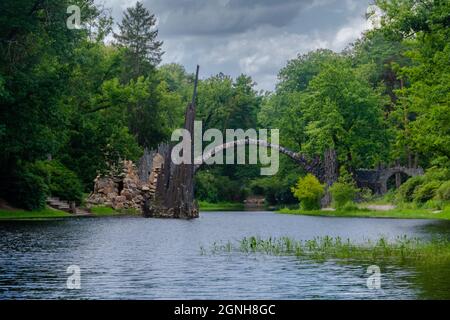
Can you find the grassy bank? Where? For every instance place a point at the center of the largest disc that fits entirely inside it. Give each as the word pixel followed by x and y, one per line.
pixel 39 214
pixel 401 250
pixel 397 213
pixel 103 211
pixel 49 213
pixel 221 206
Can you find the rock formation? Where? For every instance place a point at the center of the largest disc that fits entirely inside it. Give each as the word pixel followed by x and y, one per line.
pixel 122 191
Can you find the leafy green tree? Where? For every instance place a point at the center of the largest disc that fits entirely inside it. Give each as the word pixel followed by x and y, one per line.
pixel 343 112
pixel 299 72
pixel 423 26
pixel 36 50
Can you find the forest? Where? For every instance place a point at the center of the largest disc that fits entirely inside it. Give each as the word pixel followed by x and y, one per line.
pixel 76 102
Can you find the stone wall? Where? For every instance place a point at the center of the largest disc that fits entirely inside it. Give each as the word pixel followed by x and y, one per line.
pixel 123 191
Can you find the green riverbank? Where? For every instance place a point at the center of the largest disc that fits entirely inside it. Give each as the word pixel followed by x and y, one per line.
pixel 221 206
pixel 50 213
pixel 396 213
pixel 30 215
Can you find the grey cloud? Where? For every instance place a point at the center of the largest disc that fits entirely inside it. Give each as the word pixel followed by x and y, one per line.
pixel 252 37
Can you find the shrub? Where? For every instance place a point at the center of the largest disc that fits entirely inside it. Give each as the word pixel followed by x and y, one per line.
pixel 62 182
pixel 406 191
pixel 28 190
pixel 308 191
pixel 443 193
pixel 342 193
pixel 426 191
pixel 440 174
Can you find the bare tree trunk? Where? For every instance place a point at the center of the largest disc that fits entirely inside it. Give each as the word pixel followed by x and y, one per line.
pixel 331 174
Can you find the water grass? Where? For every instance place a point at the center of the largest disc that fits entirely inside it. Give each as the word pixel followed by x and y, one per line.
pixel 401 250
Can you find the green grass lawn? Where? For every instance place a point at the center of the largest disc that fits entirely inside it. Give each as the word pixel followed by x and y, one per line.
pixel 221 206
pixel 39 214
pixel 103 211
pixel 366 213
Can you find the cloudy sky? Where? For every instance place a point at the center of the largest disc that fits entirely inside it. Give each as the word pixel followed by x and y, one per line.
pixel 255 37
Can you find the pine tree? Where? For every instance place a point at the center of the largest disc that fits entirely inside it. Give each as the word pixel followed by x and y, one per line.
pixel 138 34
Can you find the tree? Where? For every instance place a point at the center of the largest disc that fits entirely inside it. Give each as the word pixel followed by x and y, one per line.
pixel 36 49
pixel 138 35
pixel 343 112
pixel 424 99
pixel 299 72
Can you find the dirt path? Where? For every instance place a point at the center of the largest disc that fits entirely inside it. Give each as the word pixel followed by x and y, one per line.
pixel 380 207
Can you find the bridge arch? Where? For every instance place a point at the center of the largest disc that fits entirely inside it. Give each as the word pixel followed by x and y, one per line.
pixel 385 174
pixel 309 165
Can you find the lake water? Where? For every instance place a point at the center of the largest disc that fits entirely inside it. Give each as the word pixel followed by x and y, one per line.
pixel 137 258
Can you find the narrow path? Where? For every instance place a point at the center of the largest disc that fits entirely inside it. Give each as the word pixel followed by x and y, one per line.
pixel 380 207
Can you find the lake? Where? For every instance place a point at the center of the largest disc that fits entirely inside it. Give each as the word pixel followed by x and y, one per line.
pixel 137 258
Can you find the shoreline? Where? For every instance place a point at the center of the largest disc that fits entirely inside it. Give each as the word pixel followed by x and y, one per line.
pixel 98 212
pixel 395 213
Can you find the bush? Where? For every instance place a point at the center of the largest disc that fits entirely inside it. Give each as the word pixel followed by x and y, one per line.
pixel 61 182
pixel 28 190
pixel 426 192
pixel 343 193
pixel 308 191
pixel 440 174
pixel 443 193
pixel 406 191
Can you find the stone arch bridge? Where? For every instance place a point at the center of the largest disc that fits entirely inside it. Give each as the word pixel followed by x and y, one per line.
pixel 377 180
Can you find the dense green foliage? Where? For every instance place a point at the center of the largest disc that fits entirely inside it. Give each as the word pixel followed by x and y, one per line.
pixel 431 187
pixel 62 182
pixel 27 189
pixel 64 93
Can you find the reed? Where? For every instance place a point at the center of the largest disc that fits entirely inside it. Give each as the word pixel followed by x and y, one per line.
pixel 401 250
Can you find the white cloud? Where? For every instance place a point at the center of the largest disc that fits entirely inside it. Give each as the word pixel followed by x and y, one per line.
pixel 349 33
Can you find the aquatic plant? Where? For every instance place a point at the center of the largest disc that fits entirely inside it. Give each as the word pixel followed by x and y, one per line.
pixel 402 250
